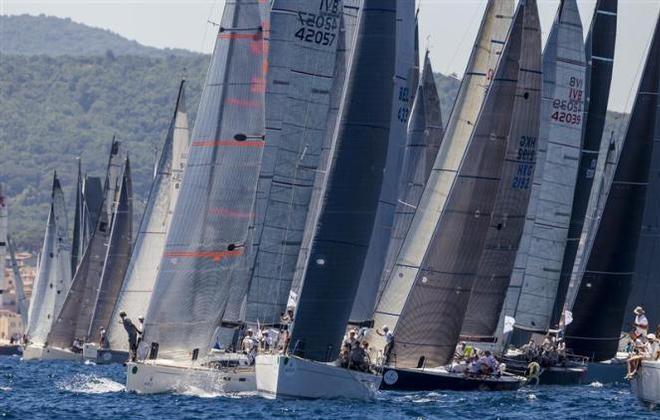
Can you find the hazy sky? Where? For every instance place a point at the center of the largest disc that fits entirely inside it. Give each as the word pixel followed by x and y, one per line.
pixel 448 27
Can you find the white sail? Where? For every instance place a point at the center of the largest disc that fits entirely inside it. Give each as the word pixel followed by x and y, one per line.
pixel 533 287
pixel 54 273
pixel 141 274
pixel 479 72
pixel 21 300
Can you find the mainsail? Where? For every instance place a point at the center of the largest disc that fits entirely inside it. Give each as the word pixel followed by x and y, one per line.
pixel 75 316
pixel 598 308
pixel 401 103
pixel 116 258
pixel 425 134
pixel 300 79
pixel 345 45
pixel 599 48
pixel 210 226
pixel 78 244
pixel 348 213
pixel 54 271
pixel 423 244
pixel 141 274
pixel 531 294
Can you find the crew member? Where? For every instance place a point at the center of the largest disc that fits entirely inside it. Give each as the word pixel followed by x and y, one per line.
pixel 132 332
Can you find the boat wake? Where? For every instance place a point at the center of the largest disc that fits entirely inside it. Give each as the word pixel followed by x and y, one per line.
pixel 192 391
pixel 90 384
pixel 596 384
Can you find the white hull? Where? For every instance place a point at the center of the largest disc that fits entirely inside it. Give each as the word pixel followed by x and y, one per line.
pixel 160 376
pixel 288 376
pixel 646 383
pixel 90 351
pixel 34 352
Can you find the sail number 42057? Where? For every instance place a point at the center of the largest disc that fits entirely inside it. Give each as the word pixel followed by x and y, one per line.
pixel 317 28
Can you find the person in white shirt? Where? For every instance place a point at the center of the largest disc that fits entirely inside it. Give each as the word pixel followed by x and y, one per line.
pixel 654 347
pixel 641 323
pixel 249 345
pixel 389 343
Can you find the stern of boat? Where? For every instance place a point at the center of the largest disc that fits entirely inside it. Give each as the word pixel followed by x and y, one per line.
pixel 293 377
pixel 646 383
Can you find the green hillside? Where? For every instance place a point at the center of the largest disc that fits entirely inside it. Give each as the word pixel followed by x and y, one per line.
pixel 49 35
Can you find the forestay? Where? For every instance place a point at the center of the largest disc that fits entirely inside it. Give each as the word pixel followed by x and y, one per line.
pixel 604 287
pixel 533 288
pixel 54 272
pixel 302 54
pixel 4 228
pixel 348 213
pixel 205 244
pixel 401 103
pixel 141 274
pixel 421 236
pixel 75 317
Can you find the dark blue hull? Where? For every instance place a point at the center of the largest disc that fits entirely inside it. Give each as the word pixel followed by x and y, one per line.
pixel 424 380
pixel 11 350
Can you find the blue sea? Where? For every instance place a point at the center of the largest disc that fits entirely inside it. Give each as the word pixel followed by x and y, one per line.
pixel 66 390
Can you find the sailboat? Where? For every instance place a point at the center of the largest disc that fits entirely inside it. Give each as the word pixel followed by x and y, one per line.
pixel 70 328
pixel 531 294
pixel 606 283
pixel 6 349
pixel 53 275
pixel 342 231
pixel 208 238
pixel 138 282
pixel 428 292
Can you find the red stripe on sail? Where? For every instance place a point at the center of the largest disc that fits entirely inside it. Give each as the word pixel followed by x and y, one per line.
pixel 214 255
pixel 228 143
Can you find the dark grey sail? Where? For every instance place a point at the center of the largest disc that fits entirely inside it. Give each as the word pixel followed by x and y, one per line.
pixel 427 317
pixel 210 226
pixel 300 90
pixel 598 310
pixel 77 246
pixel 344 228
pixel 116 258
pixel 425 134
pixel 345 44
pixel 599 48
pixel 75 316
pixel 93 198
pixel 372 270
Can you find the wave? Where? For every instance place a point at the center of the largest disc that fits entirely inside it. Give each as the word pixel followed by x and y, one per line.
pixel 90 384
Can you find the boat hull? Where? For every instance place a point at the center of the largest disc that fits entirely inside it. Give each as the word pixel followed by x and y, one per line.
pixel 608 372
pixel 10 350
pixel 154 377
pixel 400 379
pixel 33 352
pixel 109 356
pixel 293 377
pixel 646 383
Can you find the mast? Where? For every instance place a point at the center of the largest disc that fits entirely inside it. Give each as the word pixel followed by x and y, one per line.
pixel 4 228
pixel 533 286
pixel 142 270
pixel 78 223
pixel 344 226
pixel 409 272
pixel 21 300
pixel 54 270
pixel 207 241
pixel 401 103
pixel 75 316
pixel 424 135
pixel 599 48
pixel 117 256
pixel 298 97
pixel 600 301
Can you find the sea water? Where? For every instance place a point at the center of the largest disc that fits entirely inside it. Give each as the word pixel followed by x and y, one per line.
pixel 69 390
